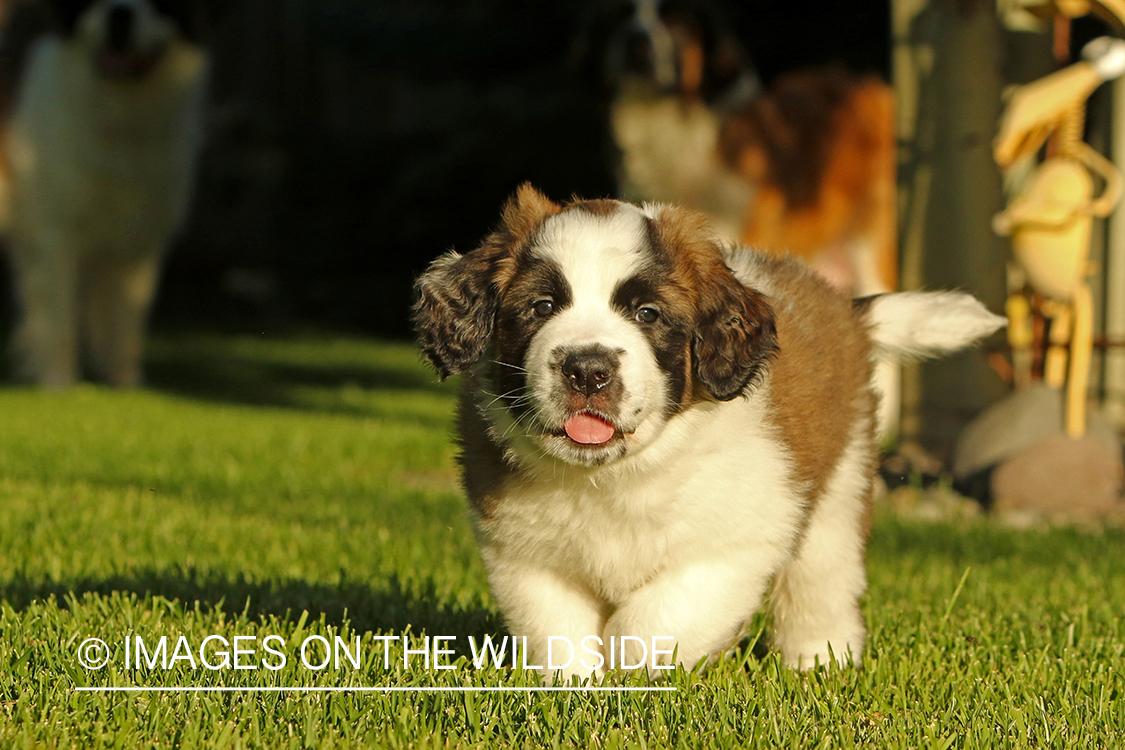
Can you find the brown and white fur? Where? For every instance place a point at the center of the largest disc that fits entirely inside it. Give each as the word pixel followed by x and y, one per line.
pixel 819 145
pixel 670 72
pixel 732 392
pixel 100 148
pixel 804 166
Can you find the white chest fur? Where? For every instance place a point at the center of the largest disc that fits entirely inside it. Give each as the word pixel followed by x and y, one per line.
pixel 93 155
pixel 717 480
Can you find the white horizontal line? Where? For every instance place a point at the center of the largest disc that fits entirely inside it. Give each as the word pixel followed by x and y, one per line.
pixel 220 689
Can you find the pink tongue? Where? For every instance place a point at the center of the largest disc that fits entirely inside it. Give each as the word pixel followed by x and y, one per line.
pixel 588 429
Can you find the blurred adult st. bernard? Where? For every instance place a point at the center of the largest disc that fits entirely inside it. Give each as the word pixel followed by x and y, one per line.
pixel 654 425
pixel 99 144
pixel 804 165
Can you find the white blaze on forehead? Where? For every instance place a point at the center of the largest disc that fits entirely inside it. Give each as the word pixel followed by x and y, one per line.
pixel 595 253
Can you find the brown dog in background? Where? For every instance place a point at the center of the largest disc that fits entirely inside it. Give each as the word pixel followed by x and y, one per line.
pixel 804 166
pixel 819 145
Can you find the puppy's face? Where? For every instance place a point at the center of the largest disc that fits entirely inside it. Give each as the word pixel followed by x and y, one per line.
pixel 127 37
pixel 593 324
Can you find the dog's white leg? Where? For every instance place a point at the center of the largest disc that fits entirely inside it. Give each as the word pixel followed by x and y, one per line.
pixel 47 338
pixel 118 297
pixel 702 606
pixel 540 603
pixel 816 595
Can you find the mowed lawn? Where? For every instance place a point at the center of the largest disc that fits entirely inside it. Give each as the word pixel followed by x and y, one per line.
pixel 305 488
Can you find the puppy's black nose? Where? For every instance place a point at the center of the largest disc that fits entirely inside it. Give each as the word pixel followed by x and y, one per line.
pixel 588 371
pixel 119 28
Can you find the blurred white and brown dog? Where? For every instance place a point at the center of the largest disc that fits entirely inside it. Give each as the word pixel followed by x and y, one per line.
pixel 669 73
pixel 804 165
pixel 655 425
pixel 100 142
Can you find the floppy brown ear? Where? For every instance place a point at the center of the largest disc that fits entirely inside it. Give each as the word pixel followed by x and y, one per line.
pixel 454 312
pixel 735 336
pixel 458 294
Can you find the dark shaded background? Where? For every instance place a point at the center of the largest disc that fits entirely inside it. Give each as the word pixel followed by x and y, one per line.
pixel 352 141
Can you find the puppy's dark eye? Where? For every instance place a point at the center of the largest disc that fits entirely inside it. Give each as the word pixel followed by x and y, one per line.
pixel 647 315
pixel 544 308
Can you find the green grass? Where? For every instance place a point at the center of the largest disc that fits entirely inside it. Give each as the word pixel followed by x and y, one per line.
pixel 307 487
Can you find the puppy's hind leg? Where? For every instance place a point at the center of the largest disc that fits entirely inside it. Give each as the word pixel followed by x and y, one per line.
pixel 118 296
pixel 816 595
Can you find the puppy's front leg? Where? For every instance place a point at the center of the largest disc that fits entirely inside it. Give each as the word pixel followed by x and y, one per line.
pixel 539 603
pixel 702 605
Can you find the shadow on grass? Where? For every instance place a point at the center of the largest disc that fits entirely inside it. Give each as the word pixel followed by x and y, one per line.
pixel 391 606
pixel 984 544
pixel 238 379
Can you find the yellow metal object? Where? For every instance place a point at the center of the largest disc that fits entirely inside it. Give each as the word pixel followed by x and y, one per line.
pixel 1020 337
pixel 1019 322
pixel 1049 218
pixel 1111 11
pixel 1037 109
pixel 1054 370
pixel 1049 222
pixel 1082 345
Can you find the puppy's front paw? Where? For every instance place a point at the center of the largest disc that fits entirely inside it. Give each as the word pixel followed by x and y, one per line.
pixel 632 648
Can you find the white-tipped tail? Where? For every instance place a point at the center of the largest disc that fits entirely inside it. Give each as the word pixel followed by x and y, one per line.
pixel 915 325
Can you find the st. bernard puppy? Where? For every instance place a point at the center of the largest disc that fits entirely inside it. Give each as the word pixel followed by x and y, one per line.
pixel 99 149
pixel 655 426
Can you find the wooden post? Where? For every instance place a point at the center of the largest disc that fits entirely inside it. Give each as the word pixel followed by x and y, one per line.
pixel 948 95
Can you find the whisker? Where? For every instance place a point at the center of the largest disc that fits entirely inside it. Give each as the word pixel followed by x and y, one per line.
pixel 509 394
pixel 524 421
pixel 509 364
